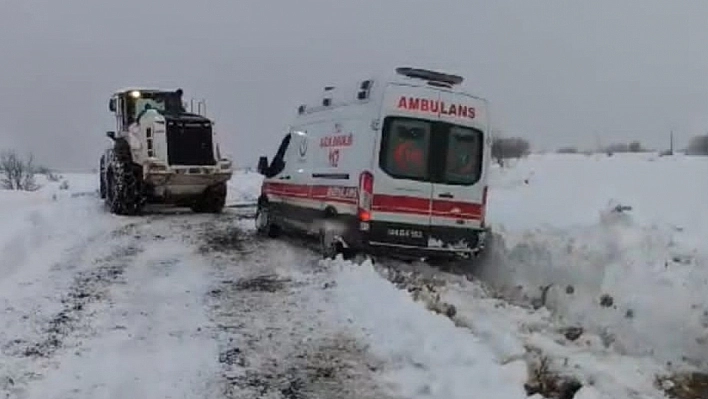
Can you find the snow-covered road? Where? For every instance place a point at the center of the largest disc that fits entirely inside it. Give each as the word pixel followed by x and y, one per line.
pixel 179 305
pixel 167 306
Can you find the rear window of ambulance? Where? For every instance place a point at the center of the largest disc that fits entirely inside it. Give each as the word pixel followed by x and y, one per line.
pixel 405 148
pixel 463 161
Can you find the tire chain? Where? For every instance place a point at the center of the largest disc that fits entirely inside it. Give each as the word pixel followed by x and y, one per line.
pixel 127 197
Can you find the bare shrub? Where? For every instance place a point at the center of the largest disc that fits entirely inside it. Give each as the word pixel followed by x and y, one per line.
pixel 547 382
pixel 17 173
pixel 509 147
pixel 51 176
pixel 567 150
pixel 634 146
pixel 698 146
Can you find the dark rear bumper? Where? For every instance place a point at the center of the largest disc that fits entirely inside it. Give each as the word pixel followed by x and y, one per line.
pixel 416 241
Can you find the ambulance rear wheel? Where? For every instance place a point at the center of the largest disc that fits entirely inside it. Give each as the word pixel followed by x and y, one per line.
pixel 329 247
pixel 264 221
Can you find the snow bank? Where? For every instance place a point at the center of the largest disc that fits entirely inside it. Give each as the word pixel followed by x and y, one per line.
pixel 244 187
pixel 429 356
pixel 32 220
pixel 515 332
pixel 638 278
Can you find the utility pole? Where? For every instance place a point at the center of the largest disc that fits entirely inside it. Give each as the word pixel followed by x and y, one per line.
pixel 671 145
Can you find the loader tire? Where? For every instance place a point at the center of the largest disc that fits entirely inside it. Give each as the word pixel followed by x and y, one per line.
pixel 102 178
pixel 212 199
pixel 124 193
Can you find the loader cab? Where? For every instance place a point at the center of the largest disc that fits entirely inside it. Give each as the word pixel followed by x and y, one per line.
pixel 129 103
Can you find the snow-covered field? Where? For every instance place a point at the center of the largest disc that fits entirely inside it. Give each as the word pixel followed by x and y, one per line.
pixel 179 305
pixel 650 262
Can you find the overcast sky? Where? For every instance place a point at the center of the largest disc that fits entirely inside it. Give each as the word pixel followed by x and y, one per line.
pixel 557 72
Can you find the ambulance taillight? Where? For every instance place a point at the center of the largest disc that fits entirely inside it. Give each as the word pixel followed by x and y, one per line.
pixel 366 195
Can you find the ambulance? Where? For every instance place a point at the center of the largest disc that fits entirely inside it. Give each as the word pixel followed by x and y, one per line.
pixel 393 165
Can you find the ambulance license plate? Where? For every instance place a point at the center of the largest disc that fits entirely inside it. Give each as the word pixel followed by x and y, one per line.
pixel 405 233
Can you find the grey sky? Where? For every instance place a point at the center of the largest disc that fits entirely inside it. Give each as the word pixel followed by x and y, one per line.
pixel 557 72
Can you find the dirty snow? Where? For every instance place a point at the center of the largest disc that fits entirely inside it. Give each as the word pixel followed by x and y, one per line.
pixel 429 356
pixel 183 305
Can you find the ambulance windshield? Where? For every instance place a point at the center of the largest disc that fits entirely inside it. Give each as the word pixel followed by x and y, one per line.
pixel 431 151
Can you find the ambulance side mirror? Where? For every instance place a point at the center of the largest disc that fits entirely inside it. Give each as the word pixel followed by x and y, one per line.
pixel 263 165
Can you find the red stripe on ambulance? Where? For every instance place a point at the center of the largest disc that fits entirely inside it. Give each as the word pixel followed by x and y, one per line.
pixel 401 204
pixel 381 202
pixel 457 209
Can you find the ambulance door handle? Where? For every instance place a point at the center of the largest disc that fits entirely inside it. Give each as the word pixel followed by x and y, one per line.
pixel 284 177
pixel 446 195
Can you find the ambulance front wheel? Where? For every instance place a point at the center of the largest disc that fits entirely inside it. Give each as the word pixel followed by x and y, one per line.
pixel 264 221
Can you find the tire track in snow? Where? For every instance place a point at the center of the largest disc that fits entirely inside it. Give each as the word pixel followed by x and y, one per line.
pixel 39 336
pixel 153 332
pixel 272 322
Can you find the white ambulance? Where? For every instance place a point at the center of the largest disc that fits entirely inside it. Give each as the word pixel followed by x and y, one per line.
pixel 395 165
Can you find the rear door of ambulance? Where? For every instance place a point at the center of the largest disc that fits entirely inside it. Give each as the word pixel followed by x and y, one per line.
pixel 459 192
pixel 401 206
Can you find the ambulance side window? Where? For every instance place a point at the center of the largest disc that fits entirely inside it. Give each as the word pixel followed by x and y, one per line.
pixel 278 163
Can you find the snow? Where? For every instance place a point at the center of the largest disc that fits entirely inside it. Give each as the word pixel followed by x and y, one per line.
pixel 651 260
pixel 429 356
pixel 130 340
pixel 244 188
pixel 96 305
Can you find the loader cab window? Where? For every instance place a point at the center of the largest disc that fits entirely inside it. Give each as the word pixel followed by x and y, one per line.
pixel 120 122
pixel 163 102
pixel 125 108
pixel 173 103
pixel 129 110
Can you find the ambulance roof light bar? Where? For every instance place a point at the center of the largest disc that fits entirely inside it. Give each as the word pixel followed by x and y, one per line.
pixel 431 76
